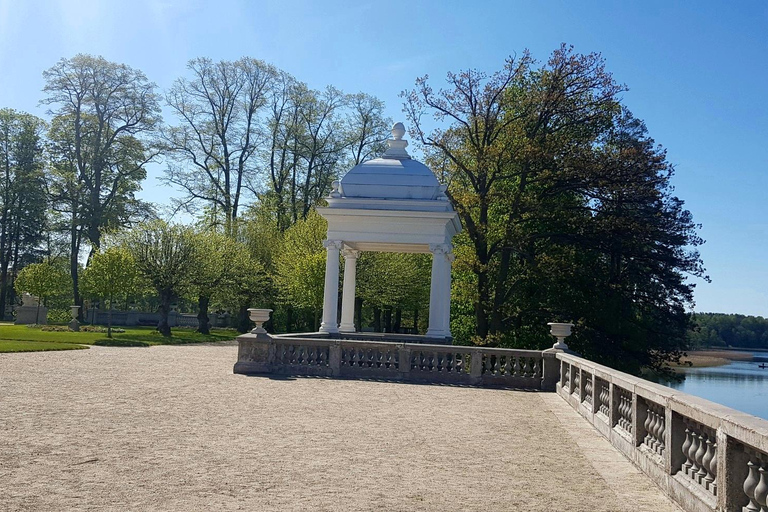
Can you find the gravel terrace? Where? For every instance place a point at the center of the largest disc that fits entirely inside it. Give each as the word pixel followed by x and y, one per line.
pixel 172 428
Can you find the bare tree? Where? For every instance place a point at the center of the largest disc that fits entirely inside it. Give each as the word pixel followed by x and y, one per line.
pixel 366 127
pixel 212 148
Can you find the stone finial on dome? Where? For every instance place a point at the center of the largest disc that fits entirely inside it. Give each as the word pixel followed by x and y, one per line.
pixel 397 145
pixel 398 131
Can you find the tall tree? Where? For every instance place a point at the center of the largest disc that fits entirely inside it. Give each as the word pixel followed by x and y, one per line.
pixel 22 195
pixel 503 134
pixel 165 256
pixel 566 206
pixel 213 147
pixel 102 138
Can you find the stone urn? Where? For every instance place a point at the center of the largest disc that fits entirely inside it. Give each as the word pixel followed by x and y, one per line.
pixel 259 316
pixel 560 331
pixel 74 324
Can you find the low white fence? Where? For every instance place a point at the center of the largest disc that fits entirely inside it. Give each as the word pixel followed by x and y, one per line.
pixel 448 364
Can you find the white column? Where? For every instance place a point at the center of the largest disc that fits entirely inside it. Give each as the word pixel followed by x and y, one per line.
pixel 438 290
pixel 449 257
pixel 331 295
pixel 348 292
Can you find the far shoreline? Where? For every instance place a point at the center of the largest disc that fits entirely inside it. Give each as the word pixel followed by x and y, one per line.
pixel 712 357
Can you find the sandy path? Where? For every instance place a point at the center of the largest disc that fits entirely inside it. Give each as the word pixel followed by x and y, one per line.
pixel 171 428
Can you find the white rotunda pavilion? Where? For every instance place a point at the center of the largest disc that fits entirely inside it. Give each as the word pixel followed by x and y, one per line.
pixel 389 204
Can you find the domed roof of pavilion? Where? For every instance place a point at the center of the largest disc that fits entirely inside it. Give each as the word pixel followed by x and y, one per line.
pixel 393 176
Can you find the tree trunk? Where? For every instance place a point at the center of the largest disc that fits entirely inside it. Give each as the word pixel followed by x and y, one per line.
pixel 481 315
pixel 376 319
pixel 109 320
pixel 203 322
pixel 165 308
pixel 499 289
pixel 398 320
pixel 74 268
pixel 416 321
pixel 289 319
pixel 3 290
pixel 388 320
pixel 243 320
pixel 359 313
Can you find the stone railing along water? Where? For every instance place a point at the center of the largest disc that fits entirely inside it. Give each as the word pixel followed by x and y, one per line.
pixel 705 456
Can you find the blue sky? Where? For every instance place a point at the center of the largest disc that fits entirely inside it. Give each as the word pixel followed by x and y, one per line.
pixel 697 73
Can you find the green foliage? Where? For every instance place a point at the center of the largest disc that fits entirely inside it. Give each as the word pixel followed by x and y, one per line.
pixel 300 264
pixel 45 281
pixel 724 330
pixel 111 275
pixel 23 197
pixel 166 257
pixel 567 210
pixel 392 280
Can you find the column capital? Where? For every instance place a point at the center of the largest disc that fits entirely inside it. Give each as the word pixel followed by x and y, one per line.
pixel 445 249
pixel 350 253
pixel 333 244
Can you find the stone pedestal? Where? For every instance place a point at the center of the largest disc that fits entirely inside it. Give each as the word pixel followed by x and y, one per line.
pixel 253 353
pixel 29 315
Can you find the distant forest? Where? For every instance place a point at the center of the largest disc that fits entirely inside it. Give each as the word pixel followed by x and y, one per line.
pixel 722 330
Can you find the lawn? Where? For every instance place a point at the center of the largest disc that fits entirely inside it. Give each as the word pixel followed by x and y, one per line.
pixel 35 346
pixel 18 338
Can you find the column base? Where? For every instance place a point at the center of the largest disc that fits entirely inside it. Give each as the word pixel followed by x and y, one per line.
pixel 347 328
pixel 437 333
pixel 329 329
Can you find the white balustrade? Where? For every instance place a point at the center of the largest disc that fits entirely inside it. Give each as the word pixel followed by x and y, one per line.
pixel 624 410
pixel 655 428
pixel 756 484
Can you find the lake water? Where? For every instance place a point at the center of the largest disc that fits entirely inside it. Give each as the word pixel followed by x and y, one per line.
pixel 741 385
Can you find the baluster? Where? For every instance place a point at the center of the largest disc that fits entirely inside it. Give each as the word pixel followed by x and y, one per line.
pixel 749 487
pixel 652 429
pixel 713 470
pixel 576 382
pixel 694 468
pixel 647 426
pixel 700 458
pixel 706 461
pixel 761 490
pixel 620 420
pixel 620 411
pixel 661 431
pixel 624 411
pixel 516 367
pixel 686 447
